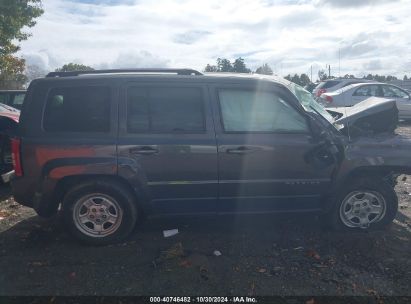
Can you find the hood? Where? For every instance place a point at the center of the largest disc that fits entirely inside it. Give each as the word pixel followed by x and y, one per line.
pixel 371 116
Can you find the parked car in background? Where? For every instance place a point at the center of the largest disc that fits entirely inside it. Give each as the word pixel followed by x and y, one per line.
pixel 110 148
pixel 332 85
pixel 355 93
pixel 9 119
pixel 13 98
pixel 310 87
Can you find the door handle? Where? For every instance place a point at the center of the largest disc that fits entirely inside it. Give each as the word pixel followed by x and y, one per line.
pixel 241 150
pixel 145 150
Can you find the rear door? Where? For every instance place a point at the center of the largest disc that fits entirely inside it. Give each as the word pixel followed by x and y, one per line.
pixel 401 97
pixel 364 92
pixel 263 144
pixel 167 146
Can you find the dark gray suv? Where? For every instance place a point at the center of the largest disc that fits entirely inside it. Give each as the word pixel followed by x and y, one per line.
pixel 110 146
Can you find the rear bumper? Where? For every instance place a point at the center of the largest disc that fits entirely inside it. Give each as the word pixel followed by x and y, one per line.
pixel 39 198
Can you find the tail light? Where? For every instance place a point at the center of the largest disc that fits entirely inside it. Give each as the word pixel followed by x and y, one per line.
pixel 328 98
pixel 321 91
pixel 15 155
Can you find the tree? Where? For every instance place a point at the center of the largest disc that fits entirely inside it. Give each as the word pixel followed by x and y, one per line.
pixel 210 68
pixel 14 17
pixel 224 65
pixel 322 75
pixel 265 69
pixel 239 66
pixel 304 80
pixel 348 76
pixel 405 77
pixel 34 71
pixel 71 67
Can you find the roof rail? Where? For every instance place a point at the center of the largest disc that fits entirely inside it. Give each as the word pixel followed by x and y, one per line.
pixel 118 71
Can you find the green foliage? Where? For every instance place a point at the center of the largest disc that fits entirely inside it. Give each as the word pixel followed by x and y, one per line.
pixel 71 67
pixel 380 78
pixel 322 75
pixel 239 66
pixel 210 68
pixel 15 15
pixel 265 69
pixel 224 65
pixel 302 80
pixel 348 76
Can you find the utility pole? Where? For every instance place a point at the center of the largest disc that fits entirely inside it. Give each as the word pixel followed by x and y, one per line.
pixel 311 73
pixel 329 71
pixel 339 62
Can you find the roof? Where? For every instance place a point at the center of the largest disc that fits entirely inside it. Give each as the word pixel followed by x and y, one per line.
pixel 166 74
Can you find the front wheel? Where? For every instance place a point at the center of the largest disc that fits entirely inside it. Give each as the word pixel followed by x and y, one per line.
pixel 100 213
pixel 365 203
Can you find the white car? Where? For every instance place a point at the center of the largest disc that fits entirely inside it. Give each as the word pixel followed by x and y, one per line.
pixel 355 93
pixel 332 85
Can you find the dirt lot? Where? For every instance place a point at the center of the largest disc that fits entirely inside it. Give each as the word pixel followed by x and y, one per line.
pixel 265 255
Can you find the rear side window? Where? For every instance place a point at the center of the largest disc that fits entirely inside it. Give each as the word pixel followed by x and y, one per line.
pixel 18 100
pixel 165 110
pixel 367 90
pixel 255 111
pixel 77 109
pixel 327 84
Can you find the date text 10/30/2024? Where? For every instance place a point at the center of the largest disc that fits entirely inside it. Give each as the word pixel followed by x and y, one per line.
pixel 203 300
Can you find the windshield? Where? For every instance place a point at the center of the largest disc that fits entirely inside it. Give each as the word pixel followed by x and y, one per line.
pixel 308 102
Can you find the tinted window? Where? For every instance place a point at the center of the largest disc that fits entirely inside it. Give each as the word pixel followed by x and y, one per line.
pixel 251 111
pixel 367 90
pixel 165 110
pixel 4 98
pixel 390 91
pixel 18 100
pixel 78 109
pixel 327 84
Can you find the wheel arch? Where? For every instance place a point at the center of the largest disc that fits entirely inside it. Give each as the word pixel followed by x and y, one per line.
pixel 68 182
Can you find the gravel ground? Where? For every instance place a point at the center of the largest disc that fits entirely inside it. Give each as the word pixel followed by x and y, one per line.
pixel 264 255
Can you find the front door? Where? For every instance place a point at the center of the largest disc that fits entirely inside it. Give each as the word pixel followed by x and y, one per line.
pixel 263 144
pixel 167 146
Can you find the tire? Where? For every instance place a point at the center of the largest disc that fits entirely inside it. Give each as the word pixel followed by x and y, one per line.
pixel 100 212
pixel 352 205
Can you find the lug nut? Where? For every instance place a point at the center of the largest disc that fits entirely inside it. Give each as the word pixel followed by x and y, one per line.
pixel 101 210
pixel 104 216
pixel 94 210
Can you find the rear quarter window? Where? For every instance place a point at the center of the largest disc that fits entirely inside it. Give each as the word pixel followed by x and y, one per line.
pixel 77 109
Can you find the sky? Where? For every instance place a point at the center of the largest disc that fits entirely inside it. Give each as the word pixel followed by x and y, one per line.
pixel 353 36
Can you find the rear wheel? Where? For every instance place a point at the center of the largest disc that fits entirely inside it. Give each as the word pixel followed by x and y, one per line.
pixel 365 203
pixel 100 212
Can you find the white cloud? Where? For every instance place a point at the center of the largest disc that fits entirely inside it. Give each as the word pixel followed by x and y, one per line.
pixel 290 35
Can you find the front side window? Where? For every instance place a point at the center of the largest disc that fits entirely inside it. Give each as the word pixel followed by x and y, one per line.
pixel 77 109
pixel 367 90
pixel 253 111
pixel 393 92
pixel 165 110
